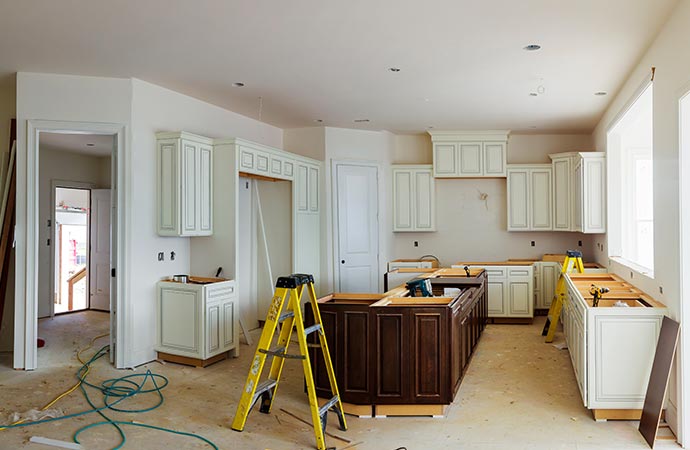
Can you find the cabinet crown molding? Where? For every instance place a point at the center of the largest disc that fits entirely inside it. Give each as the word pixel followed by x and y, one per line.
pixel 184 135
pixel 468 135
pixel 584 154
pixel 265 148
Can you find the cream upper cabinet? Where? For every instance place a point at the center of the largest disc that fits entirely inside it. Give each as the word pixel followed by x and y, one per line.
pixel 530 200
pixel 413 198
pixel 185 184
pixel 579 191
pixel 469 154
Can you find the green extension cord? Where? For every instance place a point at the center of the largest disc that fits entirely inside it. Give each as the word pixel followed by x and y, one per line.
pixel 116 390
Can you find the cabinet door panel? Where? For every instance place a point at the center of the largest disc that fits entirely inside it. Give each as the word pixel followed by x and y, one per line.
pixel 205 179
pixel 356 354
pixel 179 319
pixel 168 213
pixel 577 198
pixel 212 328
pixel 494 158
pixel 541 213
pixel 424 200
pixel 302 187
pixel 403 192
pixel 520 298
pixel 428 368
pixel 594 208
pixel 496 298
pixel 313 189
pixel 390 355
pixel 518 200
pixel 562 196
pixel 445 160
pixel 470 158
pixel 228 323
pixel 549 279
pixel 190 186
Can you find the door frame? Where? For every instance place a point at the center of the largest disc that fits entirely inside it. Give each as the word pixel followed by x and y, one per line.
pixel 334 217
pixel 683 366
pixel 26 276
pixel 54 184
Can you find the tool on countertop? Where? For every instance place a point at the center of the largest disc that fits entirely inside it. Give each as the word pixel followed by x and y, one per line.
pixel 421 284
pixel 219 271
pixel 573 257
pixel 597 292
pixel 467 270
pixel 291 287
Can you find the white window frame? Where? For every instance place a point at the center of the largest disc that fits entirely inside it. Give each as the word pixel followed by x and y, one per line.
pixel 618 235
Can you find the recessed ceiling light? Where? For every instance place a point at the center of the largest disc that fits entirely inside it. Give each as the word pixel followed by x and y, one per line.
pixel 531 47
pixel 533 94
pixel 90 144
pixel 361 120
pixel 600 93
pixel 394 69
pixel 238 84
pixel 318 120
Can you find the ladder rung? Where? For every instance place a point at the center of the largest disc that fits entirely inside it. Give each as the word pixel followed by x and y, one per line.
pixel 264 386
pixel 311 329
pixel 280 353
pixel 285 316
pixel 328 405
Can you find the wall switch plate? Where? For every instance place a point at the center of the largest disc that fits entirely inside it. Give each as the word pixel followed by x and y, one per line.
pixel 161 256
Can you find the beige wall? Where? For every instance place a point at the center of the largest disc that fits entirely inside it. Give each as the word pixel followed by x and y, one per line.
pixel 670 54
pixel 472 230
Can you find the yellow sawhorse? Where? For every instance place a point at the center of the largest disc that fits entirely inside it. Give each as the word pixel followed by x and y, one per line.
pixel 573 260
pixel 290 318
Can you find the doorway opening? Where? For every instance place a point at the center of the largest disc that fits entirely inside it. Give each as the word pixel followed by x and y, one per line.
pixel 71 228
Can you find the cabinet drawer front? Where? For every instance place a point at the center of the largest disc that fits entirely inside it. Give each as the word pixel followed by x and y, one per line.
pixel 216 294
pixel 494 272
pixel 523 272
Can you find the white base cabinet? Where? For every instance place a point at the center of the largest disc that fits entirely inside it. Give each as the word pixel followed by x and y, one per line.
pixel 612 350
pixel 546 276
pixel 197 321
pixel 510 290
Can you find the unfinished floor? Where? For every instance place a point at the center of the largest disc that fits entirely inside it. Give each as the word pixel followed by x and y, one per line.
pixel 519 393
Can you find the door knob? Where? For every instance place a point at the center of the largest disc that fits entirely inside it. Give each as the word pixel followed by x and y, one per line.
pixel 342 261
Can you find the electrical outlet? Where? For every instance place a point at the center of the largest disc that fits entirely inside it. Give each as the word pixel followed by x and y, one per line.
pixel 661 289
pixel 172 256
pixel 631 274
pixel 532 243
pixel 579 243
pixel 161 256
pixel 416 243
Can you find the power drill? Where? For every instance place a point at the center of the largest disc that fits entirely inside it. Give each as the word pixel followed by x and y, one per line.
pixel 423 284
pixel 597 292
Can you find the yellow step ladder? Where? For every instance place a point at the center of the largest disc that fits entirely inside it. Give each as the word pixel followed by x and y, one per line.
pixel 574 258
pixel 290 317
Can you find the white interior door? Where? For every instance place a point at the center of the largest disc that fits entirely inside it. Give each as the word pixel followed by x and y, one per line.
pixel 99 250
pixel 245 271
pixel 358 240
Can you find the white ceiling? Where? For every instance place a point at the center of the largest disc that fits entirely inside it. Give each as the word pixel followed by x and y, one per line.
pixel 78 143
pixel 462 63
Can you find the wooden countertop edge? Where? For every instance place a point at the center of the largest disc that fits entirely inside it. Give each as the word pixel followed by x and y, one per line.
pixel 634 292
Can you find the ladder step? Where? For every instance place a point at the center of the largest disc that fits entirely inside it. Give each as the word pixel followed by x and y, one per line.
pixel 328 405
pixel 280 353
pixel 286 315
pixel 311 329
pixel 264 386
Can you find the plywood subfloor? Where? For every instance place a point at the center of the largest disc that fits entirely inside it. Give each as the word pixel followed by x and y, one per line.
pixel 519 393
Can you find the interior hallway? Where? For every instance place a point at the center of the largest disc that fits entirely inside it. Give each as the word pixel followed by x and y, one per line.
pixel 519 393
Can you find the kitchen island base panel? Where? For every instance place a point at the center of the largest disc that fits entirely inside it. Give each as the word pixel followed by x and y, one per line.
pixel 435 411
pixel 196 362
pixel 601 415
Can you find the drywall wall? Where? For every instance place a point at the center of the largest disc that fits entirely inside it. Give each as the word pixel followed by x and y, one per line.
pixel 309 142
pixel 157 109
pixel 64 166
pixel 470 229
pixel 668 53
pixel 51 97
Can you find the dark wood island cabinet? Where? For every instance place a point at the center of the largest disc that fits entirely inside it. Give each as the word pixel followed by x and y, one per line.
pixel 392 349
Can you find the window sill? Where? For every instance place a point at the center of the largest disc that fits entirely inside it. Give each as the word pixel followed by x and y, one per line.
pixel 645 271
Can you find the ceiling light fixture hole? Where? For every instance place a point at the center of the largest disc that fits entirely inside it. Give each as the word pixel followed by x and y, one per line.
pixel 600 93
pixel 531 47
pixel 238 84
pixel 361 120
pixel 394 69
